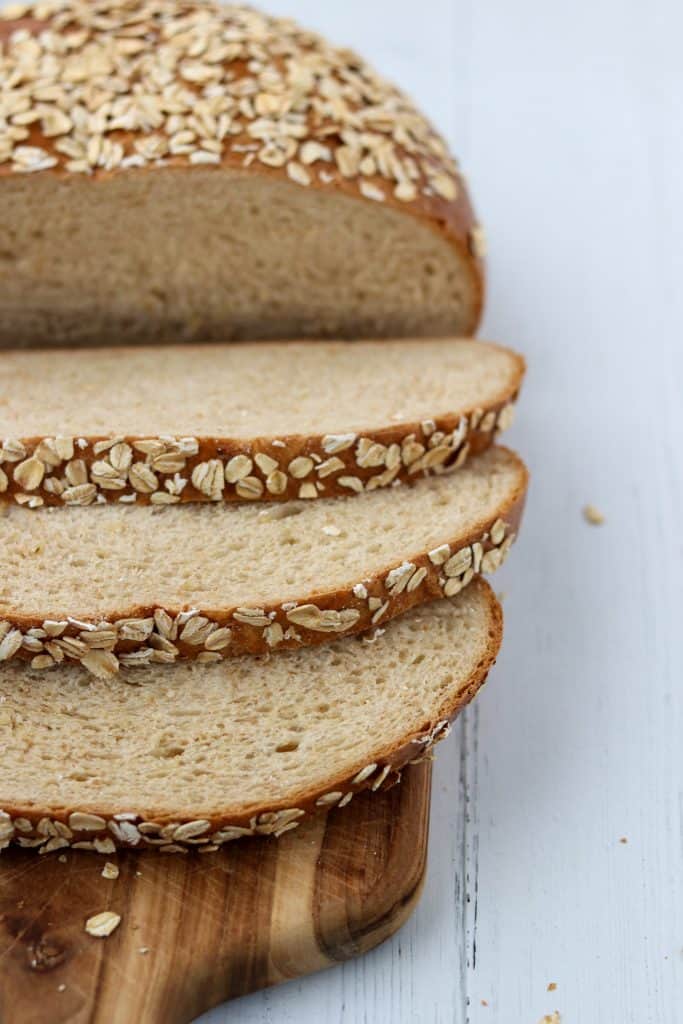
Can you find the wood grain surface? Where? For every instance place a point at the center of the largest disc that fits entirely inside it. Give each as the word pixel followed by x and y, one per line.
pixel 196 930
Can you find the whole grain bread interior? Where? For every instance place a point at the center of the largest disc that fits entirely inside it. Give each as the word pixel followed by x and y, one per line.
pixel 251 422
pixel 211 580
pixel 250 391
pixel 229 175
pixel 244 746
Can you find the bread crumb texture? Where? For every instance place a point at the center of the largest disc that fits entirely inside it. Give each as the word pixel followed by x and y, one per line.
pixel 199 755
pixel 208 581
pixel 164 424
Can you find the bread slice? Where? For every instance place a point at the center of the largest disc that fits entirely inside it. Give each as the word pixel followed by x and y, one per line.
pixel 138 584
pixel 248 422
pixel 200 171
pixel 199 755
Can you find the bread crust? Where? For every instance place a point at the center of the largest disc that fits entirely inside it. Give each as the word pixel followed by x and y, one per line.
pixel 143 634
pixel 446 210
pixel 176 830
pixel 46 470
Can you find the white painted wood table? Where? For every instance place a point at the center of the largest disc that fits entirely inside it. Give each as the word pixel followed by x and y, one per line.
pixel 567 118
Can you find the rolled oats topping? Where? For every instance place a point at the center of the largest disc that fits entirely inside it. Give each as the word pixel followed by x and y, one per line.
pixel 167 470
pixel 51 825
pixel 94 86
pixel 102 925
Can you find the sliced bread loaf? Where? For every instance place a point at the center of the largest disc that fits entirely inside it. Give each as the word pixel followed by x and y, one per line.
pixel 143 584
pixel 199 755
pixel 193 170
pixel 248 422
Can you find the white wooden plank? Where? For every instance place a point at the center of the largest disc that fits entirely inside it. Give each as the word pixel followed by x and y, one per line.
pixel 580 742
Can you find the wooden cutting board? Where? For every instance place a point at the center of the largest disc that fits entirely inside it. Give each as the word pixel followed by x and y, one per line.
pixel 197 930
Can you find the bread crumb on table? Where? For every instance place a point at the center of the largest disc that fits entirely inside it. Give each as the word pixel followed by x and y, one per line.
pixel 623 840
pixel 551 1018
pixel 593 515
pixel 102 925
pixel 110 870
pixel 552 985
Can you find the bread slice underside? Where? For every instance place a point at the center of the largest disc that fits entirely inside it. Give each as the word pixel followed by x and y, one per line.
pixel 252 422
pixel 195 756
pixel 137 584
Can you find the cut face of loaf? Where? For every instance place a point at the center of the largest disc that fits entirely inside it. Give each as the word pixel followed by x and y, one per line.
pixel 199 755
pixel 251 422
pixel 147 585
pixel 234 177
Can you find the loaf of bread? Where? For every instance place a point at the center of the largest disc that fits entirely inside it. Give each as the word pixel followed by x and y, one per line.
pixel 257 421
pixel 174 170
pixel 195 756
pixel 134 584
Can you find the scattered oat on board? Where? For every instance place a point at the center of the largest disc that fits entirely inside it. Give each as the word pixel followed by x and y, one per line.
pixel 593 515
pixel 102 925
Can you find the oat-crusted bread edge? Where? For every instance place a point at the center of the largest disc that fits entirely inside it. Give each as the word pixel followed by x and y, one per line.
pixel 147 634
pixel 103 829
pixel 161 470
pixel 411 173
pixel 436 194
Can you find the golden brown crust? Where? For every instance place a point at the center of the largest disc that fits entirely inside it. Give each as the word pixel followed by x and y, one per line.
pixel 48 471
pixel 414 155
pixel 145 634
pixel 176 831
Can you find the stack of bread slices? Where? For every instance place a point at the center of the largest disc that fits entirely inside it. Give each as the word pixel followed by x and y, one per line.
pixel 241 582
